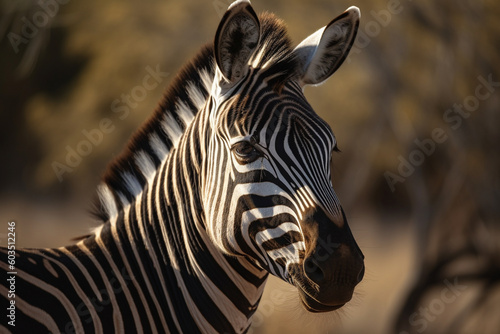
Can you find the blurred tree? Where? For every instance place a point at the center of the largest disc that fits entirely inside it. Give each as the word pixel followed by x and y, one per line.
pixel 455 194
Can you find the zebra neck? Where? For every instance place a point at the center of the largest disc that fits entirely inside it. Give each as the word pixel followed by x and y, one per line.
pixel 214 285
pixel 163 237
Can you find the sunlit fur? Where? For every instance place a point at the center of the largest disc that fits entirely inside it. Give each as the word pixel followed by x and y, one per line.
pixel 266 199
pixel 189 233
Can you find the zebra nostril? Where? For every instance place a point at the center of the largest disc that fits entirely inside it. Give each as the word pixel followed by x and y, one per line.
pixel 313 271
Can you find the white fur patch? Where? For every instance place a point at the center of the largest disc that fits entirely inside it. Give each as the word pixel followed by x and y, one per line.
pixel 196 95
pixel 125 202
pixel 96 230
pixel 133 185
pixel 184 112
pixel 161 150
pixel 274 233
pixel 146 165
pixel 107 200
pixel 206 79
pixel 172 129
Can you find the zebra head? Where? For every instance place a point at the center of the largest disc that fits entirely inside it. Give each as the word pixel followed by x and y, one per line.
pixel 267 192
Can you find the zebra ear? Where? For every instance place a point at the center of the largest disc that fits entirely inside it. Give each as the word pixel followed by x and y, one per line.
pixel 322 53
pixel 236 40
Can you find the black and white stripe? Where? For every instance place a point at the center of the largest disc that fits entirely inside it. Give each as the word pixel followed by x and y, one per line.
pixel 227 182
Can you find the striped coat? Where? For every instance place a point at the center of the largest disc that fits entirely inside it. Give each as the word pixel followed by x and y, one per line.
pixel 227 182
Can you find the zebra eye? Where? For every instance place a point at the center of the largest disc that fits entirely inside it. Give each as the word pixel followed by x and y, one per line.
pixel 245 152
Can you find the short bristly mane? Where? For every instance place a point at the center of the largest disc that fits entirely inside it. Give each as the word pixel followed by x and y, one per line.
pixel 127 175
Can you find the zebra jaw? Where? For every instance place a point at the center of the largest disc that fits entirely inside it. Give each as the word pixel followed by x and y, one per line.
pixel 312 305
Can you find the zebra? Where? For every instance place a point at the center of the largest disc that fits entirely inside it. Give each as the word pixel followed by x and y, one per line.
pixel 229 181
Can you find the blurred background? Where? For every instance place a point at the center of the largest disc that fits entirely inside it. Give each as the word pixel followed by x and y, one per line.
pixel 415 109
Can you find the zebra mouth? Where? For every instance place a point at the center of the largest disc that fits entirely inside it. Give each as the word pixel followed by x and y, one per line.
pixel 313 306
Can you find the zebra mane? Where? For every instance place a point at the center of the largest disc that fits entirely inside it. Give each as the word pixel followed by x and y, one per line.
pixel 129 173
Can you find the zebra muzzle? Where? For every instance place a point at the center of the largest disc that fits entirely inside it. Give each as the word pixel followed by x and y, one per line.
pixel 332 267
